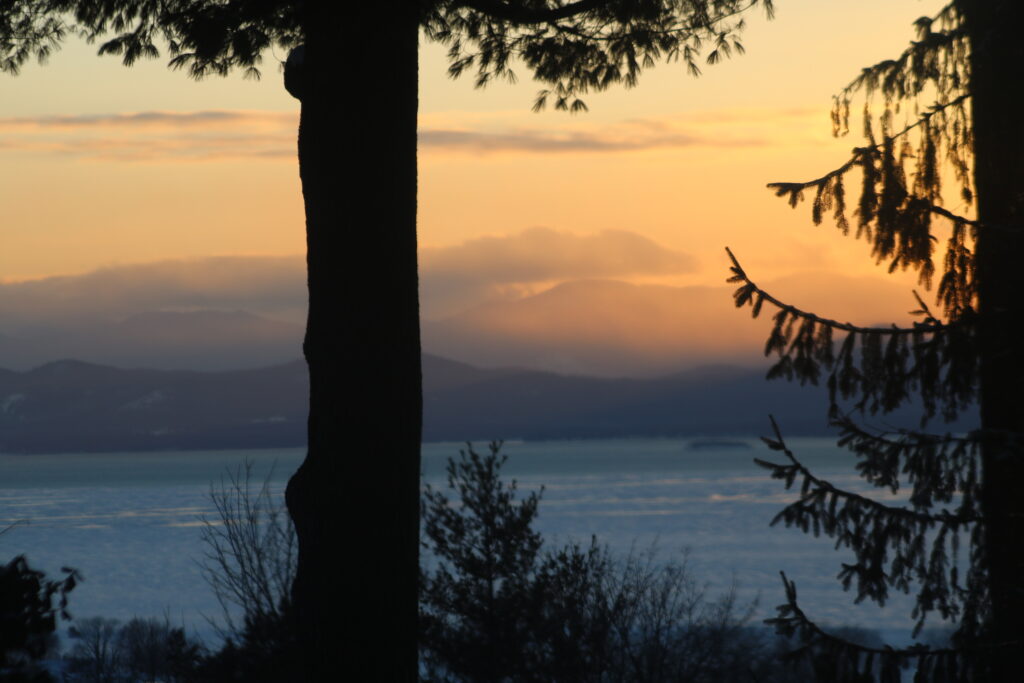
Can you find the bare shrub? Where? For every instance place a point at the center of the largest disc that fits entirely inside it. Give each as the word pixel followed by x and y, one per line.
pixel 250 551
pixel 96 654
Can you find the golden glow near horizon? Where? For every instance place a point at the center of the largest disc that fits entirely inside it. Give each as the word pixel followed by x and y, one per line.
pixel 103 165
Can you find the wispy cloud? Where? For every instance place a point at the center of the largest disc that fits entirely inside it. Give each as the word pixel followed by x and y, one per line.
pixel 152 119
pixel 220 135
pixel 622 138
pixel 452 278
pixel 156 136
pixel 268 285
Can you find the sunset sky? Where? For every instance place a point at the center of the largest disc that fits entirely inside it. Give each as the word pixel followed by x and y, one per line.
pixel 103 166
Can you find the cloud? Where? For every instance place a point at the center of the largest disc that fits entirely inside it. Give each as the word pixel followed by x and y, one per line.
pixel 274 286
pixel 490 298
pixel 152 119
pixel 503 267
pixel 156 135
pixel 623 138
pixel 223 135
pixel 614 328
pixel 452 279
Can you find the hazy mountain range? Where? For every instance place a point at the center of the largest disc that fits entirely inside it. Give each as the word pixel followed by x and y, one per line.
pixel 232 314
pixel 71 406
pixel 546 344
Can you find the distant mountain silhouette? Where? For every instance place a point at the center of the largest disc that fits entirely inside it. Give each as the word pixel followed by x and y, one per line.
pixel 72 406
pixel 709 401
pixel 168 340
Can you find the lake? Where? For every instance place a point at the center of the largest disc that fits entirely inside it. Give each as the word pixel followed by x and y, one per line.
pixel 130 522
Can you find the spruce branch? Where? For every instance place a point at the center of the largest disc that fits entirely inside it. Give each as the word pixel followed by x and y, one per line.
pixel 858 662
pixel 599 33
pixel 584 46
pixel 812 487
pixel 519 13
pixel 882 367
pixel 751 293
pixel 937 467
pixel 937 58
pixel 907 75
pixel 924 546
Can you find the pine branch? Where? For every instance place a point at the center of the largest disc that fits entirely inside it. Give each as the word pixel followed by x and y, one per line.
pixel 938 665
pixel 880 366
pixel 920 64
pixel 519 13
pixel 869 152
pixel 704 25
pixel 872 529
pixel 751 293
pixel 814 487
pixel 583 46
pixel 938 467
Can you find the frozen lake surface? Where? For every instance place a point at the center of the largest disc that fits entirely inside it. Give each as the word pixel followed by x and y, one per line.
pixel 130 522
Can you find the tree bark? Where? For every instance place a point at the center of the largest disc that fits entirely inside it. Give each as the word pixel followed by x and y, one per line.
pixel 355 499
pixel 997 70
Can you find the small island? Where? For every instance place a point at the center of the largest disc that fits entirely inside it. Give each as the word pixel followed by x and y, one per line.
pixel 709 444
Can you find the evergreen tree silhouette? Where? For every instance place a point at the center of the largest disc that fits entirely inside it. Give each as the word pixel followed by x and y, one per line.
pixel 948 112
pixel 353 66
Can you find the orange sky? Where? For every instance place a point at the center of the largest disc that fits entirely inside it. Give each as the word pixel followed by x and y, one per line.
pixel 102 165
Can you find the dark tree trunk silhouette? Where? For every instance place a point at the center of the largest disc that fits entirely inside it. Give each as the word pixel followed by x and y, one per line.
pixel 356 511
pixel 997 66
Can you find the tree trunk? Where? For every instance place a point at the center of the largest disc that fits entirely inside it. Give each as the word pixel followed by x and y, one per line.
pixel 355 499
pixel 997 70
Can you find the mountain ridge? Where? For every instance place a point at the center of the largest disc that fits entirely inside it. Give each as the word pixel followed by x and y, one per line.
pixel 74 406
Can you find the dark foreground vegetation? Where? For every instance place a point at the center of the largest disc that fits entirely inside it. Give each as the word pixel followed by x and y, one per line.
pixel 497 604
pixel 939 173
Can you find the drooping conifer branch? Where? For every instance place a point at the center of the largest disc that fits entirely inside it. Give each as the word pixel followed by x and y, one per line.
pixel 751 293
pixel 937 468
pixel 883 367
pixel 924 63
pixel 900 204
pixel 935 60
pixel 793 190
pixel 847 661
pixel 583 46
pixel 600 32
pixel 895 215
pixel 539 13
pixel 28 30
pixel 924 546
pixel 901 189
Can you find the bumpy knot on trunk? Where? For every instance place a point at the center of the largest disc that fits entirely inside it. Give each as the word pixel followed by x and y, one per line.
pixel 295 73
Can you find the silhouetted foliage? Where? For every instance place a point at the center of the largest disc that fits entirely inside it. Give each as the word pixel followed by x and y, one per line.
pixel 29 606
pixel 264 651
pixel 153 650
pixel 962 487
pixel 140 650
pixel 354 66
pixel 250 551
pixel 95 656
pixel 249 562
pixel 496 606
